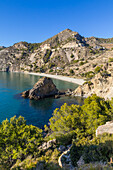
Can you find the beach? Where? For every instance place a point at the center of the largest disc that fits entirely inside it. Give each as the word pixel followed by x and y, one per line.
pixel 59 77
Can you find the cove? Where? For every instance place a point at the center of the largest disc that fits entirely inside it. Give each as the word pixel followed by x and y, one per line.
pixel 35 112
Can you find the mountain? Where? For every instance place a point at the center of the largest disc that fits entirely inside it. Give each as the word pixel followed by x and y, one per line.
pixel 67 53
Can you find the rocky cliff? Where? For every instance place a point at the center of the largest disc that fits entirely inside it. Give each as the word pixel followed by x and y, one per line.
pixel 101 85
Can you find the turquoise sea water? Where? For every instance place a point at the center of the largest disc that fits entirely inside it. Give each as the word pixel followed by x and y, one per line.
pixel 35 112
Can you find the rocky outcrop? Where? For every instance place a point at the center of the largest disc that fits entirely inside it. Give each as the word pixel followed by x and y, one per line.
pixel 47 145
pixel 107 128
pixel 100 85
pixel 42 89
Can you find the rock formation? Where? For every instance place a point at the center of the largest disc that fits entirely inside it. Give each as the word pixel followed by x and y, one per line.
pixel 42 89
pixel 100 85
pixel 107 128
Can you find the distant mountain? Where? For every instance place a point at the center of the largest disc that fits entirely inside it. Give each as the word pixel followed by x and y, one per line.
pixel 67 53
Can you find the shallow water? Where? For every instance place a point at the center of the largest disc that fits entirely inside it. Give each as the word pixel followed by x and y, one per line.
pixel 35 112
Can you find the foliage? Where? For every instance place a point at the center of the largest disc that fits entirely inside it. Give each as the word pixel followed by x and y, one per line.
pixel 71 71
pixel 32 46
pixel 96 150
pixel 51 65
pixel 17 141
pixel 82 120
pixel 72 56
pixel 88 75
pixel 105 73
pixel 88 82
pixel 96 112
pixel 74 61
pixel 47 56
pixel 110 60
pixel 82 63
pixel 97 69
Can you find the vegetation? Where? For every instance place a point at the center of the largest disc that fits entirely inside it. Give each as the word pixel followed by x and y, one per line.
pixel 17 141
pixel 72 56
pixel 20 143
pixel 97 69
pixel 71 71
pixel 47 56
pixel 82 120
pixel 32 46
pixel 88 75
pixel 96 150
pixel 110 60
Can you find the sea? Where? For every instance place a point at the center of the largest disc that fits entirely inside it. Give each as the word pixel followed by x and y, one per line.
pixel 38 112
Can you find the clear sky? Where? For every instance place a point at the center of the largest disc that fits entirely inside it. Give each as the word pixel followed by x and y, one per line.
pixel 37 20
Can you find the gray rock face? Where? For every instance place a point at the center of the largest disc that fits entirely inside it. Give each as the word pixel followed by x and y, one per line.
pixel 107 128
pixel 100 85
pixel 42 89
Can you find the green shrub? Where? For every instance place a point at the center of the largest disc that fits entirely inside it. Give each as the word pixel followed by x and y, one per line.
pixel 71 71
pixel 18 141
pixel 72 56
pixel 75 61
pixel 110 60
pixel 51 70
pixel 47 56
pixel 97 69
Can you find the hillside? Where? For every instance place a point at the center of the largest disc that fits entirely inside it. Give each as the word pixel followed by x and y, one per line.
pixel 67 53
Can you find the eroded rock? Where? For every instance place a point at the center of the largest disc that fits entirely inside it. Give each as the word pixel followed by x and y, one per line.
pixel 107 128
pixel 42 89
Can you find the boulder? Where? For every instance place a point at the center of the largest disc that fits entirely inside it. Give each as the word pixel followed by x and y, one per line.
pixel 107 128
pixel 25 93
pixel 42 89
pixel 47 145
pixel 78 91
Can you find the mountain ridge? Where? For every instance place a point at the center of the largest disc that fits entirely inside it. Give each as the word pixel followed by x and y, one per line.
pixel 66 53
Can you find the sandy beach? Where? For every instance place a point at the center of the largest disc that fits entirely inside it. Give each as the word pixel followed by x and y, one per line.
pixel 59 77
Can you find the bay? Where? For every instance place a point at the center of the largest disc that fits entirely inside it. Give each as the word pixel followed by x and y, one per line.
pixel 35 112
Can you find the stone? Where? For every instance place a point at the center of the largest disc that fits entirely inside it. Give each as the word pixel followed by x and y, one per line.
pixel 42 89
pixel 47 145
pixel 106 128
pixel 61 148
pixel 25 94
pixel 57 96
pixel 78 91
pixel 100 85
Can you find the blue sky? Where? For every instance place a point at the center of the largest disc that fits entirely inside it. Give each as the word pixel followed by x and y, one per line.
pixel 37 20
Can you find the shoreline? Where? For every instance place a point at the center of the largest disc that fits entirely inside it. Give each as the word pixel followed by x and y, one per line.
pixel 59 77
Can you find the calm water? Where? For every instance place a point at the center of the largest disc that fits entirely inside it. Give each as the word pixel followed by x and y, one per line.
pixel 35 112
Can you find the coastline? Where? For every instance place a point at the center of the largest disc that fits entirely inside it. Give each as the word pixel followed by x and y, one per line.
pixel 59 77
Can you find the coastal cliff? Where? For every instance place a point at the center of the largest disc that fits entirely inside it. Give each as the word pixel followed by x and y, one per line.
pixel 101 85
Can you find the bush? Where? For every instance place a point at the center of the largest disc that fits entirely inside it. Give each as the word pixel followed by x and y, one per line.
pixel 81 120
pixel 110 60
pixel 72 56
pixel 97 69
pixel 75 61
pixel 18 141
pixel 71 71
pixel 47 56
